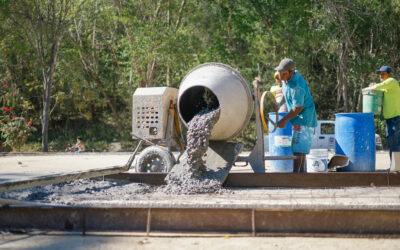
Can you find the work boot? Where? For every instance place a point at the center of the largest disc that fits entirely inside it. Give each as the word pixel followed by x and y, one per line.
pixel 395 163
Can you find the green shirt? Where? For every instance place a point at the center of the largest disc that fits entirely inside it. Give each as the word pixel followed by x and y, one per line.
pixel 391 97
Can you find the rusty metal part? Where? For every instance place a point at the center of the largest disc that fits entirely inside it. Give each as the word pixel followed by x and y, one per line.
pixel 132 157
pixel 178 127
pixel 332 180
pixel 252 221
pixel 143 139
pixel 245 159
pixel 255 158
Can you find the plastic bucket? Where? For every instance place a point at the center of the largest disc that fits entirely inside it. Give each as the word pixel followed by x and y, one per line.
pixel 355 138
pixel 372 101
pixel 317 161
pixel 280 144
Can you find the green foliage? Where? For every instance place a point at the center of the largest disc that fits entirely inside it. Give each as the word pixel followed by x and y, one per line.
pixel 109 48
pixel 15 131
pixel 380 129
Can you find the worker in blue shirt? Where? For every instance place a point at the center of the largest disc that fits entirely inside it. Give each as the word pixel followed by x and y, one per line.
pixel 301 114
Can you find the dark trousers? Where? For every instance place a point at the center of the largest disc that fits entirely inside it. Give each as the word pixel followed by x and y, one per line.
pixel 393 134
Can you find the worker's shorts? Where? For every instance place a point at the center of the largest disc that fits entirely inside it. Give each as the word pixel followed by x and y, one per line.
pixel 393 133
pixel 302 139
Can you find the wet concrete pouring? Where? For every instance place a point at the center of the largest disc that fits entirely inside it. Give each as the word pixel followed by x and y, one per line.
pixel 190 178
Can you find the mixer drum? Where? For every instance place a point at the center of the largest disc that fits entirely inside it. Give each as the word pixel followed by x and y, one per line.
pixel 216 85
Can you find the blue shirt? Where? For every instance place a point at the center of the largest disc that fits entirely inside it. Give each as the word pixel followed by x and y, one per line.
pixel 297 94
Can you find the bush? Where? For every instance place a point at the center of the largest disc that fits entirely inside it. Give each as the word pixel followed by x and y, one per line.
pixel 15 131
pixel 96 146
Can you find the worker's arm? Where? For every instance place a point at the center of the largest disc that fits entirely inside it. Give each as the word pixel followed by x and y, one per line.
pixel 298 97
pixel 292 114
pixel 385 85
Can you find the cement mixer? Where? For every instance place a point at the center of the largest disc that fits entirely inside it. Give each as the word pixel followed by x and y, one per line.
pixel 217 85
pixel 210 85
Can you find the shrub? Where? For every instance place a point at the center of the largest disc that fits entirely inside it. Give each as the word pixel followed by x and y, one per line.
pixel 15 131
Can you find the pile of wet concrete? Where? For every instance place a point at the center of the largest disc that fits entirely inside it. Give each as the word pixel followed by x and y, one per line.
pixel 187 177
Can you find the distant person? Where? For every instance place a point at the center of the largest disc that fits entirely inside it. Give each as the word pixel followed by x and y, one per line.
pixel 276 90
pixel 301 114
pixel 391 112
pixel 79 146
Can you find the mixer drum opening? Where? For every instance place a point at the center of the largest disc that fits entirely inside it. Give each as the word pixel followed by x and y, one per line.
pixel 217 86
pixel 195 99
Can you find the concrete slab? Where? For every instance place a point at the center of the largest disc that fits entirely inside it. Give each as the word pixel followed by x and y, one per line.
pixel 19 167
pixel 121 240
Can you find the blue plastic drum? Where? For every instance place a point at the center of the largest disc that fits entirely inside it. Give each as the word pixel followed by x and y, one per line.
pixel 355 138
pixel 280 144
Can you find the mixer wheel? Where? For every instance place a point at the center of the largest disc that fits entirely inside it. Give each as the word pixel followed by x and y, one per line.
pixel 155 159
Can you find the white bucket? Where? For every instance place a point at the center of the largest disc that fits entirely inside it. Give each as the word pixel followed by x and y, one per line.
pixel 317 161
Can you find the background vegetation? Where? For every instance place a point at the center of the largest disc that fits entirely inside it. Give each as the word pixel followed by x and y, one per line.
pixel 69 68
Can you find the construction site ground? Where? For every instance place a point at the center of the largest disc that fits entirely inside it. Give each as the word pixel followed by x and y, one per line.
pixel 25 166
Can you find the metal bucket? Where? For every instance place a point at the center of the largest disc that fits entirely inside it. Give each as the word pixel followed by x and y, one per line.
pixel 372 101
pixel 355 138
pixel 216 85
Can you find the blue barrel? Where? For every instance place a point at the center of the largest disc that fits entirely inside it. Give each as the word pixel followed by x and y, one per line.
pixel 355 138
pixel 280 145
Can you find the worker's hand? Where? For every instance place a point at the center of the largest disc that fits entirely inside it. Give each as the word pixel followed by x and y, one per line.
pixel 281 123
pixel 372 84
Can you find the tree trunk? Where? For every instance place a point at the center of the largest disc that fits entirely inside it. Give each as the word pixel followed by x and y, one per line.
pixel 45 116
pixel 343 55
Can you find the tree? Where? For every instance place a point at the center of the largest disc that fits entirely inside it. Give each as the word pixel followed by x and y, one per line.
pixel 43 24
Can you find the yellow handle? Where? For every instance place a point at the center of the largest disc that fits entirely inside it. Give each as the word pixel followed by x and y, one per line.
pixel 262 113
pixel 177 125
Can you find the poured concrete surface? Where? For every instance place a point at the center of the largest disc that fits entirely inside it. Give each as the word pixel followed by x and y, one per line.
pixel 15 167
pixel 49 240
pixel 19 167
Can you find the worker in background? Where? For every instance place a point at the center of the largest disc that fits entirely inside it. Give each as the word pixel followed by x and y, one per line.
pixel 276 90
pixel 79 147
pixel 301 109
pixel 391 112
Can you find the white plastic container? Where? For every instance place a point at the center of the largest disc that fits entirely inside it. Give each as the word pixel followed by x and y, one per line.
pixel 317 161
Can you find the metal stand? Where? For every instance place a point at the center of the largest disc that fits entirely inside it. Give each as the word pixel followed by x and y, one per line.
pixel 256 157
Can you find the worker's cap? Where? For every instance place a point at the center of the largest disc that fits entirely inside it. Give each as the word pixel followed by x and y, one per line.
pixel 276 75
pixel 285 65
pixel 385 68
